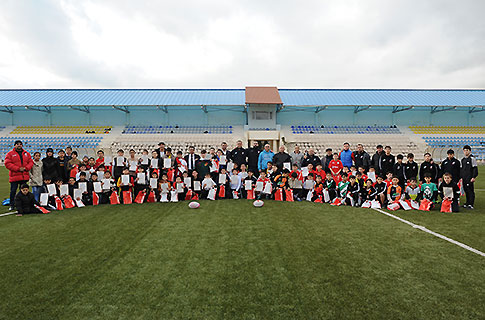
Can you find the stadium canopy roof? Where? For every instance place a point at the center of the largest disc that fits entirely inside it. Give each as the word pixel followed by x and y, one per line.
pixel 320 99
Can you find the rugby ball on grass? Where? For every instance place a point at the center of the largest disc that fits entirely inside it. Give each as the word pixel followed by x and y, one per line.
pixel 258 203
pixel 194 205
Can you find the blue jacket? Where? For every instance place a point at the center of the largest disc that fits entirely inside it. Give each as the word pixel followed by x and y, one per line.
pixel 346 158
pixel 264 158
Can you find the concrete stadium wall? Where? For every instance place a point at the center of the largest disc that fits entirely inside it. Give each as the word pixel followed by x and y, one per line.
pixel 216 116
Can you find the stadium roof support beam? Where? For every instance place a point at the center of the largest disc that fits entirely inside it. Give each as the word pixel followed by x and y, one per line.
pixel 400 109
pixel 81 108
pixel 40 108
pixel 163 108
pixel 361 108
pixel 6 109
pixel 320 108
pixel 279 107
pixel 441 109
pixel 124 109
pixel 204 108
pixel 476 109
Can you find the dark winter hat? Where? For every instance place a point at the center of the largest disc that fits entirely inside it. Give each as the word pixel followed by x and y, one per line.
pixel 49 150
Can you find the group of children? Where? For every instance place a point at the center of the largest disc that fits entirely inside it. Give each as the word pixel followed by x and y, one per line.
pixel 156 179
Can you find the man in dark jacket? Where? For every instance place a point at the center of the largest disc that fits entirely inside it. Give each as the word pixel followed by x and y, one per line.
pixel 203 165
pixel 312 158
pixel 253 156
pixel 361 158
pixel 376 159
pixel 239 154
pixel 191 160
pixel 387 162
pixel 410 168
pixel 428 166
pixel 326 160
pixel 280 158
pixel 452 166
pixel 50 166
pixel 25 201
pixel 62 165
pixel 469 172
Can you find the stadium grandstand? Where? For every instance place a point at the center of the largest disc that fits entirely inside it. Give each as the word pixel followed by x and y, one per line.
pixel 87 119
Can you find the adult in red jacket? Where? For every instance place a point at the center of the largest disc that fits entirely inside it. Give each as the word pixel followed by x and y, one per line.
pixel 18 162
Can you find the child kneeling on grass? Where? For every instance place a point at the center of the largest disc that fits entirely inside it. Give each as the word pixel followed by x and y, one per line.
pixel 450 191
pixel 25 201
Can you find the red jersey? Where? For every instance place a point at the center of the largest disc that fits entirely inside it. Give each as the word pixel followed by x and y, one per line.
pixel 299 175
pixel 335 166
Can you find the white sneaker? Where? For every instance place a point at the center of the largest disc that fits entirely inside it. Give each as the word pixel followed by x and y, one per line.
pixel 470 207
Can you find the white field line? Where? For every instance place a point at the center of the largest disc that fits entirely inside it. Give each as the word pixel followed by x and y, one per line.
pixel 464 246
pixel 7 214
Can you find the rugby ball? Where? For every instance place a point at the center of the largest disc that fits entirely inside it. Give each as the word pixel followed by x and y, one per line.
pixel 194 205
pixel 258 203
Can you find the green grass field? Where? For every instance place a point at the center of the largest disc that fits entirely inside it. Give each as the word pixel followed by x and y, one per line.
pixel 229 260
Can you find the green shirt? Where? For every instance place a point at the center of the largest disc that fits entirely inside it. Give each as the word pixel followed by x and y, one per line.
pixel 428 190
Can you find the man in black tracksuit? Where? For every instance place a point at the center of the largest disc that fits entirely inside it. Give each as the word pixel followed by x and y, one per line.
pixel 387 162
pixel 428 166
pixel 253 155
pixel 469 172
pixel 376 160
pixel 410 168
pixel 25 201
pixel 239 154
pixel 452 166
pixel 361 158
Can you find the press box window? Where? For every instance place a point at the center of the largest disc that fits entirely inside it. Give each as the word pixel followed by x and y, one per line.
pixel 262 115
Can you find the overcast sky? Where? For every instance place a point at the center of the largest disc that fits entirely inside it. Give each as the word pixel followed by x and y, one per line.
pixel 231 44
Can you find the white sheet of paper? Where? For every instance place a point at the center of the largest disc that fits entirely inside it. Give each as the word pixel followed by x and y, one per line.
pixel 106 184
pixel 188 181
pixel 154 163
pixel 153 183
pixel 304 171
pixel 182 169
pixel 309 184
pixel 259 186
pixel 125 179
pixel 222 178
pixel 234 179
pixel 119 161
pixel 100 175
pixel 372 176
pixel 267 188
pixel 51 189
pixel 64 190
pixel 213 168
pixel 141 177
pixel 144 159
pixel 212 194
pixel 44 198
pixel 248 184
pixel 79 203
pixel 97 187
pixel 133 165
pixel 196 185
pixel 77 194
pixel 164 197
pixel 107 161
pixel 447 192
pixel 230 166
pixel 83 186
pixel 222 160
pixel 174 196
pixel 167 163
pixel 180 188
pixel 164 187
pixel 287 165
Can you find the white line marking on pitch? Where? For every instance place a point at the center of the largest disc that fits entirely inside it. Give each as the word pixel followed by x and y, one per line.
pixel 8 213
pixel 464 246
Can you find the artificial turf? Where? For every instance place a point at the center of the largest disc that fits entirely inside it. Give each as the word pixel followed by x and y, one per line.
pixel 229 260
